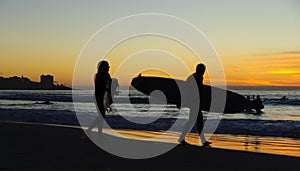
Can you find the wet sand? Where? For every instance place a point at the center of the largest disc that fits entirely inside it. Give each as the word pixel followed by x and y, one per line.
pixel 271 145
pixel 45 147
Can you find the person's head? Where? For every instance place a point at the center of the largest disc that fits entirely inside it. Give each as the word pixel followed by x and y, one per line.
pixel 103 66
pixel 200 69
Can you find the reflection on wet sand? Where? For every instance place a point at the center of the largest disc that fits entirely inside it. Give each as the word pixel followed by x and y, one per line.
pixel 272 145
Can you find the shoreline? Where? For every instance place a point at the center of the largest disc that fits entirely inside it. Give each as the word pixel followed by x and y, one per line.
pixel 31 146
pixel 258 144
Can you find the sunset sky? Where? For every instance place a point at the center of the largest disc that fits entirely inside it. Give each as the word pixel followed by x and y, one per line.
pixel 258 42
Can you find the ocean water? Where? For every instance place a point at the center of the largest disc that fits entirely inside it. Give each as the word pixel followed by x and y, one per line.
pixel 280 117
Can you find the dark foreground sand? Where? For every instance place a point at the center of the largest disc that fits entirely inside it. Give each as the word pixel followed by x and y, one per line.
pixel 41 147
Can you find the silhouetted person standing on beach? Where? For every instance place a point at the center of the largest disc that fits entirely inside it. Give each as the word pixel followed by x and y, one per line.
pixel 102 86
pixel 195 110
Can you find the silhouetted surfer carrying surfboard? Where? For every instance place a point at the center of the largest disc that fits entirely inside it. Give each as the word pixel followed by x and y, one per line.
pixel 102 86
pixel 192 94
pixel 195 110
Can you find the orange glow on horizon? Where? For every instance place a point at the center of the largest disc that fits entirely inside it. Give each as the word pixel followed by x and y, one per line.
pixel 277 69
pixel 274 69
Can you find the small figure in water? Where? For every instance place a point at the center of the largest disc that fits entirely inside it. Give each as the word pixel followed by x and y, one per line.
pixel 284 98
pixel 109 95
pixel 257 104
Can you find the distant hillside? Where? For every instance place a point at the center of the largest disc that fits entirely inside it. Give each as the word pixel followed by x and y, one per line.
pixel 23 83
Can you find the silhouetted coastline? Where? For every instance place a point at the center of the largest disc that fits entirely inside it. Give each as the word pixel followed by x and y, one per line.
pixel 264 88
pixel 24 83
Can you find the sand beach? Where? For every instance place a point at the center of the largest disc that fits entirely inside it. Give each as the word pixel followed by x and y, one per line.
pixel 27 146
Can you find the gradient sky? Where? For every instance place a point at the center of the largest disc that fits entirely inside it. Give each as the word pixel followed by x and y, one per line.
pixel 258 41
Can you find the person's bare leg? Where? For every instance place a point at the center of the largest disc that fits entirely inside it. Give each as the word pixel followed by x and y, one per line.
pixel 187 127
pixel 93 124
pixel 200 129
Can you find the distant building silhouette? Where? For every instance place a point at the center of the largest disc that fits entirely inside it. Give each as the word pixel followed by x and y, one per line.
pixel 23 83
pixel 47 81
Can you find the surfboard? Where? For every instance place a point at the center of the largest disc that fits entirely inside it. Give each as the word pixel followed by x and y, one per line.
pixel 234 102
